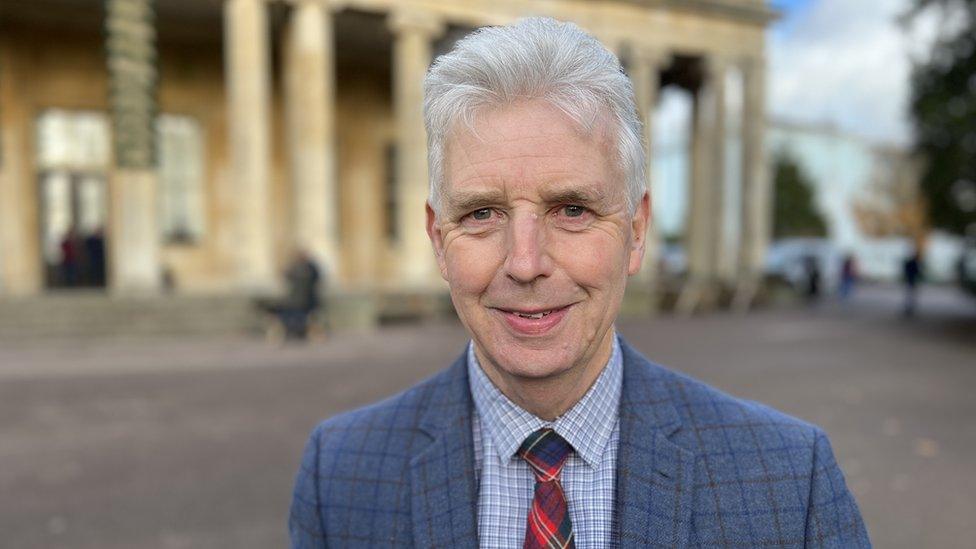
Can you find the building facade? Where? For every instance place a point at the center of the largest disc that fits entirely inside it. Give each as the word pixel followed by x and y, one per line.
pixel 868 193
pixel 201 142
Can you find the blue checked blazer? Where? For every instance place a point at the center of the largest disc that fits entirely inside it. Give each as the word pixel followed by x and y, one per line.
pixel 696 468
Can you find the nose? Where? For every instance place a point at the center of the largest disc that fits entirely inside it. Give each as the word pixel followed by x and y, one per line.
pixel 527 258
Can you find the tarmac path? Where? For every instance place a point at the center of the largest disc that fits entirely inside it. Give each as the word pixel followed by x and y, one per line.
pixel 173 444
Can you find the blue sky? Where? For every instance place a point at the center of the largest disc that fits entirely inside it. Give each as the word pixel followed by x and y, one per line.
pixel 845 63
pixel 791 11
pixel 790 5
pixel 840 63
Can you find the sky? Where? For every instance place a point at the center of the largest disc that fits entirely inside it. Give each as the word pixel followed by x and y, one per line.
pixel 845 63
pixel 840 63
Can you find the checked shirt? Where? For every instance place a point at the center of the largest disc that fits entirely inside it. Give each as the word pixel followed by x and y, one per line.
pixel 506 484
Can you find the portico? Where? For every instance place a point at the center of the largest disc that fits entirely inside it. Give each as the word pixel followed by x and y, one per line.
pixel 313 137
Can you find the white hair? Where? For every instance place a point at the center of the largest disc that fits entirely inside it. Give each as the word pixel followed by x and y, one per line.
pixel 534 58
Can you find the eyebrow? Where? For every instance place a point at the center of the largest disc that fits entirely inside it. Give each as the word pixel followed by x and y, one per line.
pixel 471 200
pixel 466 201
pixel 573 195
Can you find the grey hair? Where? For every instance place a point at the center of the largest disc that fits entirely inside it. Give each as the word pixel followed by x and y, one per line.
pixel 534 58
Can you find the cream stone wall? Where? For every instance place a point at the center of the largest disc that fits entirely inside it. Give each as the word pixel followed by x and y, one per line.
pixel 365 122
pixel 686 31
pixel 37 77
pixel 191 84
pixel 70 73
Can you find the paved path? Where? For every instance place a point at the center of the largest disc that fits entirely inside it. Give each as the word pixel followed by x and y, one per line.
pixel 175 444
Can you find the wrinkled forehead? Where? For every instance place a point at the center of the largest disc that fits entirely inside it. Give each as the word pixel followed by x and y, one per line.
pixel 531 147
pixel 493 122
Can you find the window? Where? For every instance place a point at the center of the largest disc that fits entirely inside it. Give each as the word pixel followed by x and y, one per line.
pixel 73 140
pixel 181 208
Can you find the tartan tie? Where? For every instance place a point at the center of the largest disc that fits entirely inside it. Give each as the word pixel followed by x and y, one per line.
pixel 549 525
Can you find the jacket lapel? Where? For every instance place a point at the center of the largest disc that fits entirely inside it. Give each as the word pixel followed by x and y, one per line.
pixel 443 492
pixel 654 476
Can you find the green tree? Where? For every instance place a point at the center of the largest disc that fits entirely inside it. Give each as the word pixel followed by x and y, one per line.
pixel 943 109
pixel 794 212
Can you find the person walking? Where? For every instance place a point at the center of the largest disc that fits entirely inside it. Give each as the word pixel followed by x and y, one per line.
pixel 848 277
pixel 911 276
pixel 303 281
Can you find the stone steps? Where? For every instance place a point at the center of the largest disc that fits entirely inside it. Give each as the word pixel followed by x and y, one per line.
pixel 96 314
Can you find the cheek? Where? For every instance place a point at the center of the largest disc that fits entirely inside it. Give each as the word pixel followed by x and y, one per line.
pixel 471 264
pixel 591 260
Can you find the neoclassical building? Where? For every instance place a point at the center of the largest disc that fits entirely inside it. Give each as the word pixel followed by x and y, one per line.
pixel 200 142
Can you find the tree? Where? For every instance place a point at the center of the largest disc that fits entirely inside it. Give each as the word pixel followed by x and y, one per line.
pixel 794 212
pixel 943 110
pixel 892 204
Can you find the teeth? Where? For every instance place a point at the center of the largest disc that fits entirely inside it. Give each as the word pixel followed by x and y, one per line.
pixel 534 316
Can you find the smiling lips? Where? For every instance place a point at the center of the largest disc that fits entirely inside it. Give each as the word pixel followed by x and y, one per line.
pixel 534 322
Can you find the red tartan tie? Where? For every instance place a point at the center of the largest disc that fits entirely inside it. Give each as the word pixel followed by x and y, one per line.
pixel 549 526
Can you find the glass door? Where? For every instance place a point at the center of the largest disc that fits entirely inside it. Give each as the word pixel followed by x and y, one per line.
pixel 73 191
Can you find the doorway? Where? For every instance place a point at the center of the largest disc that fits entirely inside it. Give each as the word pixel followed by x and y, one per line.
pixel 73 160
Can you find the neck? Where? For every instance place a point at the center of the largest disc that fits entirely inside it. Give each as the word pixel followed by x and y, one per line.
pixel 552 396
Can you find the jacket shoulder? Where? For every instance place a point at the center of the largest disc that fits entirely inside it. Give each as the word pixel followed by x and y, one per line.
pixel 354 472
pixel 750 456
pixel 391 422
pixel 719 418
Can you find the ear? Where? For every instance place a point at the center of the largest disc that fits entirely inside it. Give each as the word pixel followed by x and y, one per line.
pixel 436 240
pixel 638 233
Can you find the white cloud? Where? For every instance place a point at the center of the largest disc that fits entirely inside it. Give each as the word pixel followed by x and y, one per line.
pixel 847 63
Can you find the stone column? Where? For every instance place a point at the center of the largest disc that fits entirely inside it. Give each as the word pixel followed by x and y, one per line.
pixel 413 33
pixel 646 64
pixel 20 261
pixel 703 227
pixel 133 235
pixel 20 254
pixel 248 87
pixel 756 192
pixel 721 260
pixel 310 107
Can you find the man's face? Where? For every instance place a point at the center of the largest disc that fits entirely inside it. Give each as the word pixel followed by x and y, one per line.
pixel 536 240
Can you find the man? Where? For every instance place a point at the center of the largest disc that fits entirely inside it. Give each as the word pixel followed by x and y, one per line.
pixel 911 276
pixel 549 430
pixel 303 280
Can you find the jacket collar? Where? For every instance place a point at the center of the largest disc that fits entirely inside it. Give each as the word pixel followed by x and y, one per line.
pixel 444 497
pixel 654 475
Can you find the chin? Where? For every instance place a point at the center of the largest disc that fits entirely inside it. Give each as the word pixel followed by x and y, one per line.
pixel 533 363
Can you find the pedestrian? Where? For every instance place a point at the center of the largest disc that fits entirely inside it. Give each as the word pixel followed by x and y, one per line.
pixel 70 258
pixel 303 278
pixel 912 272
pixel 303 282
pixel 549 430
pixel 848 277
pixel 811 269
pixel 94 244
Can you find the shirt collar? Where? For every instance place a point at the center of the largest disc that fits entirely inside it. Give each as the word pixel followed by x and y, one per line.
pixel 587 426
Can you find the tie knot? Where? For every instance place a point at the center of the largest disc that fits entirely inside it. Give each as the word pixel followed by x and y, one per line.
pixel 545 452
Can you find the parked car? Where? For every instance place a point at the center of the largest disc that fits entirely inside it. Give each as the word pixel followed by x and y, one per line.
pixel 787 259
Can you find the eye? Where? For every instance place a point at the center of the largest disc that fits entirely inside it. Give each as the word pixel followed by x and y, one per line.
pixel 484 214
pixel 573 210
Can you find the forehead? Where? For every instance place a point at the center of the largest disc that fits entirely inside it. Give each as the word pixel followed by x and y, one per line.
pixel 530 148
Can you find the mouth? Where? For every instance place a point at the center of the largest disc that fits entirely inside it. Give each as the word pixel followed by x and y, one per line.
pixel 542 314
pixel 537 321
